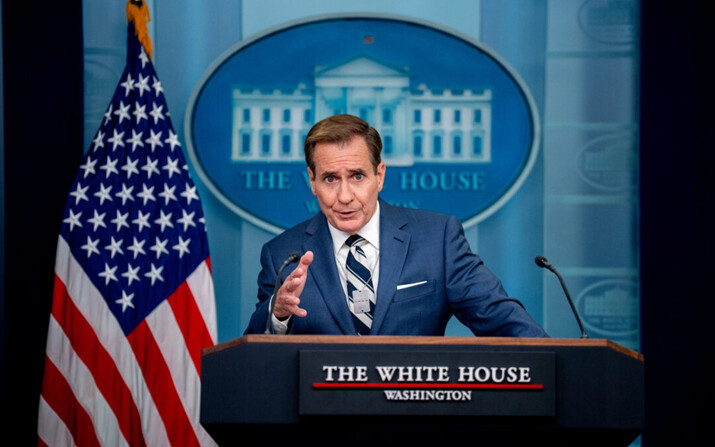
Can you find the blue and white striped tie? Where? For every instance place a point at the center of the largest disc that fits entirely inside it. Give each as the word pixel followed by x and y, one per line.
pixel 361 293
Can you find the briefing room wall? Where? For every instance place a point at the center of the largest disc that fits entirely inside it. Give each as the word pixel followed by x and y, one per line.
pixel 583 86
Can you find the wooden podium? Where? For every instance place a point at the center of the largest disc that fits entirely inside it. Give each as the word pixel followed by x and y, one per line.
pixel 387 390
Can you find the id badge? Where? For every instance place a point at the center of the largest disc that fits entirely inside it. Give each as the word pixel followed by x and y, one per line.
pixel 361 301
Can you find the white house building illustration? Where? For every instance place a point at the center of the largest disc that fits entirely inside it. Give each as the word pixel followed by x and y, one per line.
pixel 417 124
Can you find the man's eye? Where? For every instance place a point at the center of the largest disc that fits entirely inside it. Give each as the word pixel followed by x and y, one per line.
pixel 359 176
pixel 329 179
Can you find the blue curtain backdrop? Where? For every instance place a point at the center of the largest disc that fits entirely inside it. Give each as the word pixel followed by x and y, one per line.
pixel 613 235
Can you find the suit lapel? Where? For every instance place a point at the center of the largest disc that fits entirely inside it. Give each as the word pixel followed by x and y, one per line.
pixel 394 242
pixel 325 274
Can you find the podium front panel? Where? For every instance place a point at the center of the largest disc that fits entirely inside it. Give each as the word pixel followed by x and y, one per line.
pixel 570 391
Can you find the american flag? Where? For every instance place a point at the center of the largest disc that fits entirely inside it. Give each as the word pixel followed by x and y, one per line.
pixel 133 302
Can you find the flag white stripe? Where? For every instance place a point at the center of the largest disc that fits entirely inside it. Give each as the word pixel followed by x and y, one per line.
pixel 201 285
pixel 187 382
pixel 79 377
pixel 51 429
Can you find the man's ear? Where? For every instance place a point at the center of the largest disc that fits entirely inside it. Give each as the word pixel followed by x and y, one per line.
pixel 311 177
pixel 380 175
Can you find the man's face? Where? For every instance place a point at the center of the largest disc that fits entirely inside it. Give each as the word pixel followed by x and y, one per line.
pixel 346 184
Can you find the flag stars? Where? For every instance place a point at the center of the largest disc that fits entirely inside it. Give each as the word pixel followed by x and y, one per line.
pixel 79 193
pixel 155 274
pixel 126 300
pixel 173 140
pixel 73 220
pixel 140 112
pixel 182 246
pixel 115 247
pixel 91 246
pixel 164 221
pixel 136 140
pixel 126 193
pixel 171 167
pixel 109 167
pixel 159 247
pixel 108 274
pixel 103 193
pixel 189 193
pixel 142 221
pixel 128 84
pixel 168 194
pixel 88 167
pixel 150 167
pixel 108 115
pixel 154 140
pixel 99 138
pixel 143 85
pixel 137 248
pixel 143 57
pixel 122 112
pixel 120 221
pixel 146 194
pixel 130 167
pixel 156 112
pixel 187 220
pixel 156 85
pixel 131 274
pixel 117 139
pixel 97 220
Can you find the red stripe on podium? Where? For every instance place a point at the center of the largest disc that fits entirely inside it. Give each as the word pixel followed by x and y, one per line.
pixel 456 386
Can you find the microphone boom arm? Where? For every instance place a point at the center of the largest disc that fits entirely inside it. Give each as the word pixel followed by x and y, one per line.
pixel 294 257
pixel 542 262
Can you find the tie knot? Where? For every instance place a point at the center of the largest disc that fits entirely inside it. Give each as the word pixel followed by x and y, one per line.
pixel 354 239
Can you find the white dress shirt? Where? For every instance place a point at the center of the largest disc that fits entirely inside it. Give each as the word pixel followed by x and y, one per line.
pixel 371 233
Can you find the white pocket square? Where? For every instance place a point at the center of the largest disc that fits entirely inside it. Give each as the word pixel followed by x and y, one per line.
pixel 407 286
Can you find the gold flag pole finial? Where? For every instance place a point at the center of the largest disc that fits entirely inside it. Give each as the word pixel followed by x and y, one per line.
pixel 138 13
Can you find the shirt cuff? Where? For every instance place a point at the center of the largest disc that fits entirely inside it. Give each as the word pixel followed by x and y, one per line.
pixel 279 327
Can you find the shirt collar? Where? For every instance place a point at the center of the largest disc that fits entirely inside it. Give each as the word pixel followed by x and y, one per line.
pixel 370 232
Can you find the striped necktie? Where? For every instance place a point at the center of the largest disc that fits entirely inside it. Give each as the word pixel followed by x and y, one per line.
pixel 361 293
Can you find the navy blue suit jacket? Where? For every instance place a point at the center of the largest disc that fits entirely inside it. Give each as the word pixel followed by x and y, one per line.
pixel 416 246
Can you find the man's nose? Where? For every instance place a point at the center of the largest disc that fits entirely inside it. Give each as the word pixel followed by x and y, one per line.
pixel 345 192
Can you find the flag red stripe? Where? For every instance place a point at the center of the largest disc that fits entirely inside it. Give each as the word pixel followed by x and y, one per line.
pixel 59 396
pixel 191 323
pixel 101 364
pixel 161 386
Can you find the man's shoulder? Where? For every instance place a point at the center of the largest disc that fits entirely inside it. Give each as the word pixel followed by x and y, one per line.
pixel 416 215
pixel 296 232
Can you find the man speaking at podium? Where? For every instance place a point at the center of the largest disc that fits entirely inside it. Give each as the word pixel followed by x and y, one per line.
pixel 370 268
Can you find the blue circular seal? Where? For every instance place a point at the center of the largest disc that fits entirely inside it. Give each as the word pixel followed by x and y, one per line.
pixel 459 127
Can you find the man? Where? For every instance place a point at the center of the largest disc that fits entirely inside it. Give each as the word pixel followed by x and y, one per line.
pixel 372 268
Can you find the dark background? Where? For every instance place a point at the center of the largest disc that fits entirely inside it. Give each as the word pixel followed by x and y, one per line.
pixel 42 134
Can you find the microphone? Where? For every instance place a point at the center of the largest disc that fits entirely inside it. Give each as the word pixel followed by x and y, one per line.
pixel 543 263
pixel 294 257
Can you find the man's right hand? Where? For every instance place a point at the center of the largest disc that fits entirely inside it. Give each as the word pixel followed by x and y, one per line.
pixel 287 299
